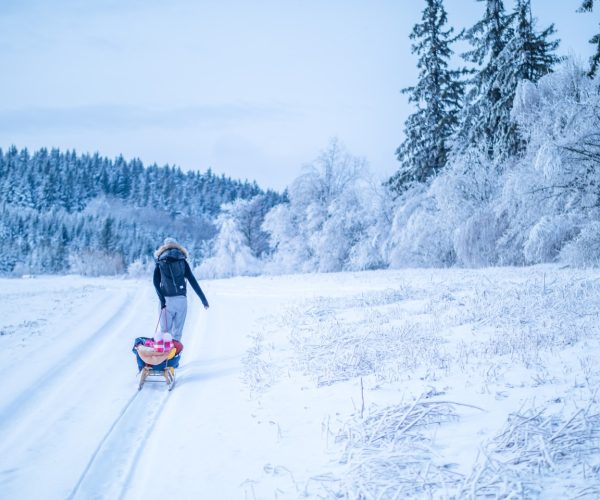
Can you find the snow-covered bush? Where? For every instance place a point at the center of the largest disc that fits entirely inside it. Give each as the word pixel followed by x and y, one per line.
pixel 547 237
pixel 553 191
pixel 372 249
pixel 96 263
pixel 583 250
pixel 441 224
pixel 351 236
pixel 420 236
pixel 140 268
pixel 465 195
pixel 475 239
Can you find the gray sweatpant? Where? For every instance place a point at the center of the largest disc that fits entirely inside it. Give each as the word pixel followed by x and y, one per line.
pixel 173 320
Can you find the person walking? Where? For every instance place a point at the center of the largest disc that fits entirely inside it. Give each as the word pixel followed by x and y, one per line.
pixel 170 275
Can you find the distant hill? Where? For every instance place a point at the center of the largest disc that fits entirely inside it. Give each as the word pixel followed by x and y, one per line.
pixel 60 211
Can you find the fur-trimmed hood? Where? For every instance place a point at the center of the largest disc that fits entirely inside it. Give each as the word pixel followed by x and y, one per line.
pixel 171 246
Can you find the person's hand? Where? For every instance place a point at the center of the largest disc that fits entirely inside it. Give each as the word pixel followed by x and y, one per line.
pixel 206 306
pixel 163 306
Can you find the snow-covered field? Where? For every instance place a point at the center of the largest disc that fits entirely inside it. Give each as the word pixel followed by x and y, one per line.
pixel 386 384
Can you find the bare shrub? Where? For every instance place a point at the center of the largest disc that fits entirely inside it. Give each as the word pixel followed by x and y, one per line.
pixel 259 371
pixel 563 449
pixel 332 350
pixel 389 454
pixel 96 263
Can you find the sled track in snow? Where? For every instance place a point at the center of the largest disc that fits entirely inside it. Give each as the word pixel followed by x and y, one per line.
pixel 112 463
pixel 99 447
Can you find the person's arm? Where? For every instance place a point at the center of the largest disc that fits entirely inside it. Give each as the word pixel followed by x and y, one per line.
pixel 195 285
pixel 156 280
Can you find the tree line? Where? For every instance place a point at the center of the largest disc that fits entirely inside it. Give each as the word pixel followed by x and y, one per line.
pixel 63 211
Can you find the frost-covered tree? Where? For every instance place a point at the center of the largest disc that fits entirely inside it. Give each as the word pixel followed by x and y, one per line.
pixel 587 6
pixel 241 242
pixel 371 250
pixel 556 183
pixel 249 216
pixel 540 206
pixel 330 222
pixel 437 98
pixel 231 254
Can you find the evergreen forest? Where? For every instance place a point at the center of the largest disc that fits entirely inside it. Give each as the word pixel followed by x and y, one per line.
pixel 62 212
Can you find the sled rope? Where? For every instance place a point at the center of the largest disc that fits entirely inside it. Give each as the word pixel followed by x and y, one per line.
pixel 170 379
pixel 166 319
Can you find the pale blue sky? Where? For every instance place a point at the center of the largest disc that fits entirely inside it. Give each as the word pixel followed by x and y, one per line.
pixel 252 89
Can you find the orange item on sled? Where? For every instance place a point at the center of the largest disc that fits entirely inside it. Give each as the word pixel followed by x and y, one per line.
pixel 152 357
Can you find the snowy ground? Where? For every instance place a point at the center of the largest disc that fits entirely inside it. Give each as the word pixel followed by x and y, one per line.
pixel 441 383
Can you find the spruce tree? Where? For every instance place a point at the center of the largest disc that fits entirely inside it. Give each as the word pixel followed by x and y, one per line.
pixel 532 53
pixel 509 50
pixel 527 56
pixel 488 37
pixel 587 6
pixel 437 98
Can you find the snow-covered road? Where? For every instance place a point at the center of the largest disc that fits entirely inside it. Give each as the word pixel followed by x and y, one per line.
pixel 74 424
pixel 66 387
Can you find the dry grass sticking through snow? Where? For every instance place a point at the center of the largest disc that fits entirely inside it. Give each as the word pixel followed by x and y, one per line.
pixel 480 335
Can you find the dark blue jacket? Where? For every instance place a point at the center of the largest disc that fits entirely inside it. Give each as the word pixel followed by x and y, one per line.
pixel 169 273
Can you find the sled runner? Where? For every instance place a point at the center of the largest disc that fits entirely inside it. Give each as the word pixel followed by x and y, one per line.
pixel 153 363
pixel 149 371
